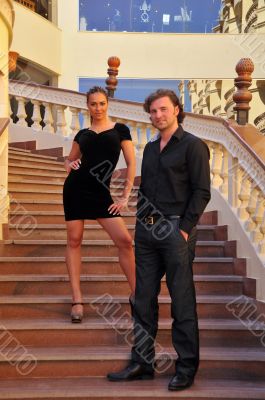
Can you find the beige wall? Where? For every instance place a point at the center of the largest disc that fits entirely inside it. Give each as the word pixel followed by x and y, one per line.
pixel 73 54
pixel 37 39
pixel 6 20
pixel 3 69
pixel 182 56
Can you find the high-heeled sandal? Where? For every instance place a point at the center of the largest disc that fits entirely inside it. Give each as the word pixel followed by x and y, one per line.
pixel 76 317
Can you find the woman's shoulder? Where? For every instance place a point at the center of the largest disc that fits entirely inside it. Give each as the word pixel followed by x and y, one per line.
pixel 121 127
pixel 79 133
pixel 123 130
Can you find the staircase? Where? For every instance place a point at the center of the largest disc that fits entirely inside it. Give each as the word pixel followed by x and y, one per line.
pixel 44 356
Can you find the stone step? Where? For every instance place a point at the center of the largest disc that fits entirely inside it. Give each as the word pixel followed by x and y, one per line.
pixel 12 151
pixel 25 183
pixel 99 388
pixel 15 174
pixel 97 361
pixel 38 161
pixel 31 167
pixel 233 332
pixel 34 171
pixel 95 231
pixel 111 284
pixel 45 306
pixel 53 153
pixel 21 213
pixel 104 265
pixel 27 247
pixel 26 191
pixel 23 216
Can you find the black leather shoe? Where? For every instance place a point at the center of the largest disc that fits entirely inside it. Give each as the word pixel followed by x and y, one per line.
pixel 132 372
pixel 180 382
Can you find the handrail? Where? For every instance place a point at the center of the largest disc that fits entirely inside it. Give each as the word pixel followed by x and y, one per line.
pixel 3 124
pixel 247 136
pixel 120 109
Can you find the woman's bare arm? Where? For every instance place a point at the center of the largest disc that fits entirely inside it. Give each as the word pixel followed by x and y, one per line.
pixel 73 161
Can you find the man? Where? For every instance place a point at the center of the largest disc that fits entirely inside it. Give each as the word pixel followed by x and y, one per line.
pixel 176 182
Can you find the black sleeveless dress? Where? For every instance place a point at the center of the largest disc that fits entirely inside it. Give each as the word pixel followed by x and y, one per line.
pixel 86 192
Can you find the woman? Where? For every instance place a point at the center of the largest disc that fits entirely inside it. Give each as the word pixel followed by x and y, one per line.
pixel 86 195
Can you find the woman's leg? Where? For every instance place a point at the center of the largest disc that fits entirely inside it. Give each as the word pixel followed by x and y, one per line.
pixel 118 232
pixel 73 260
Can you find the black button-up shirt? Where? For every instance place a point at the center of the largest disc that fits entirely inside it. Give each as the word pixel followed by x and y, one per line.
pixel 175 181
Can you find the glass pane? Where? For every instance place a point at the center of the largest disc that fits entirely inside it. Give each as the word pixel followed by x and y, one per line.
pixel 136 89
pixel 149 15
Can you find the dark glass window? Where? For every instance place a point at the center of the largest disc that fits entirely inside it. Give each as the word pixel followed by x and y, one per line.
pixel 197 16
pixel 136 89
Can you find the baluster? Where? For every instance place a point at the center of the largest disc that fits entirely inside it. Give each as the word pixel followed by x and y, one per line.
pixel 181 87
pixel 256 234
pixel 261 246
pixel 153 131
pixel 75 124
pixel 134 135
pixel 224 173
pixel 210 144
pixel 251 207
pixel 61 122
pixel 238 183
pixel 244 196
pixel 235 176
pixel 10 108
pixel 217 165
pixel 48 118
pixel 21 112
pixel 86 119
pixel 142 138
pixel 36 117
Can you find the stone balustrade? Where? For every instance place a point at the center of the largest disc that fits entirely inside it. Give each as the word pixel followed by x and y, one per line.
pixel 237 173
pixel 63 113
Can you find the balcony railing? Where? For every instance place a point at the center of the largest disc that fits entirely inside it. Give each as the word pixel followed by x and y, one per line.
pixel 260 123
pixel 41 8
pixel 251 17
pixel 27 3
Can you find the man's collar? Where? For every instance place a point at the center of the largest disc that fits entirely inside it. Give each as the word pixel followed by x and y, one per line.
pixel 178 134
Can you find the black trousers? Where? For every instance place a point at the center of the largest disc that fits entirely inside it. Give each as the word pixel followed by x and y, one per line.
pixel 160 250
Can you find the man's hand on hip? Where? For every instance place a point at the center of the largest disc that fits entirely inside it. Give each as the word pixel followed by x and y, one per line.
pixel 184 234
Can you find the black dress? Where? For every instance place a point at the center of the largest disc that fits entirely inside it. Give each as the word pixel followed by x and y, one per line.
pixel 86 192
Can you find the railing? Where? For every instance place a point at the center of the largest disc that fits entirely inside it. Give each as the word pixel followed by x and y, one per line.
pixel 230 102
pixel 27 3
pixel 4 198
pixel 237 173
pixel 251 17
pixel 64 113
pixel 260 123
pixel 252 11
pixel 237 3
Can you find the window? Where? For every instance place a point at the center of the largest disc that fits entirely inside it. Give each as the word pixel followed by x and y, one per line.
pixel 149 15
pixel 136 89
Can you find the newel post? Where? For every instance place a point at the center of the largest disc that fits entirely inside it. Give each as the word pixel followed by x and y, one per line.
pixel 111 81
pixel 243 96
